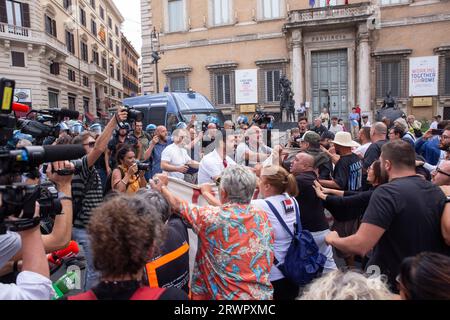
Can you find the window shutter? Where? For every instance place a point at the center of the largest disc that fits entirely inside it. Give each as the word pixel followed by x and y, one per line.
pixel 55 34
pixel 227 89
pixel 26 15
pixel 3 14
pixel 395 80
pixel 276 86
pixel 447 77
pixel 269 85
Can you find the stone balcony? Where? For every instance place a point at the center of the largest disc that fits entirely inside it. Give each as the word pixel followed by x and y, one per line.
pixel 11 32
pixel 326 16
pixel 97 71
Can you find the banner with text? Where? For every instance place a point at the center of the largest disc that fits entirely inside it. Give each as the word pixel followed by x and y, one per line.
pixel 423 76
pixel 246 84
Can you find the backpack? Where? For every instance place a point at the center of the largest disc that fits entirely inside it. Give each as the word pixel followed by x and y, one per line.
pixel 303 261
pixel 144 293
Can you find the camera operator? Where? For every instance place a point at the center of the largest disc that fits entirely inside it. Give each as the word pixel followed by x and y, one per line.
pixel 295 138
pixel 87 188
pixel 122 137
pixel 33 282
pixel 127 177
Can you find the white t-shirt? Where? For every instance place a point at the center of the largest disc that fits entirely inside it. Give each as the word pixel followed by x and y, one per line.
pixel 175 156
pixel 212 166
pixel 434 125
pixel 243 147
pixel 362 149
pixel 282 239
pixel 336 128
pixel 29 286
pixel 368 124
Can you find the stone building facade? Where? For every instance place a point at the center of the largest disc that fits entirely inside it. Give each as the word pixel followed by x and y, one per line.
pixel 130 69
pixel 336 56
pixel 63 53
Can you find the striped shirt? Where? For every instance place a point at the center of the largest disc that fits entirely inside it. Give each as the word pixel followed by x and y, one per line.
pixel 87 188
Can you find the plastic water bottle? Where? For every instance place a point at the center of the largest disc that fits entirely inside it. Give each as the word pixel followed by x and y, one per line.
pixel 64 284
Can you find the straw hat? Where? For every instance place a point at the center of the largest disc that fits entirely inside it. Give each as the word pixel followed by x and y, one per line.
pixel 345 139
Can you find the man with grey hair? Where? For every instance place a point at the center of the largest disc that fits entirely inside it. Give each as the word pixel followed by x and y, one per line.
pixel 169 265
pixel 228 125
pixel 235 253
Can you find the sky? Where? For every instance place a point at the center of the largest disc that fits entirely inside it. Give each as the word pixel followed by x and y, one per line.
pixel 131 27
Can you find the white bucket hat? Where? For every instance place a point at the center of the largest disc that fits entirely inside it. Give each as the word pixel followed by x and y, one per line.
pixel 345 139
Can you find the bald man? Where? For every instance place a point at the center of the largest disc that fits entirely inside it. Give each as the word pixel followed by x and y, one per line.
pixel 153 154
pixel 312 214
pixel 441 175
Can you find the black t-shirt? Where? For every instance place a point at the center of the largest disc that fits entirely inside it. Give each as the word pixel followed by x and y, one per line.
pixel 311 208
pixel 373 153
pixel 348 172
pixel 174 274
pixel 319 130
pixel 409 209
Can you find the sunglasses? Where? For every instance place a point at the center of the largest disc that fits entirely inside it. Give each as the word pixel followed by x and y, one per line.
pixel 90 144
pixel 442 172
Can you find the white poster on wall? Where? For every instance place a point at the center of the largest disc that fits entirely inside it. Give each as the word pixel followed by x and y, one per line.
pixel 246 84
pixel 423 76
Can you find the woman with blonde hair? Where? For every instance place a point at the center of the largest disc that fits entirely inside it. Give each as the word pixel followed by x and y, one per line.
pixel 279 187
pixel 348 285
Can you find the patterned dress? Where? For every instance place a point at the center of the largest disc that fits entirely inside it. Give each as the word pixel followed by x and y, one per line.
pixel 235 252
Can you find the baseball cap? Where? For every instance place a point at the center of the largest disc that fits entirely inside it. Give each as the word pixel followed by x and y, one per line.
pixel 311 137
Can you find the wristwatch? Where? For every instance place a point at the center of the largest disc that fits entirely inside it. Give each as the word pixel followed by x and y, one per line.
pixel 63 196
pixel 447 199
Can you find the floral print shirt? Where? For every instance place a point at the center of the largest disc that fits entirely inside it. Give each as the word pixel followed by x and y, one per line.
pixel 235 252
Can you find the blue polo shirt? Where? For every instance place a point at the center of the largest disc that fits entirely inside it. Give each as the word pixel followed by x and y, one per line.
pixel 156 156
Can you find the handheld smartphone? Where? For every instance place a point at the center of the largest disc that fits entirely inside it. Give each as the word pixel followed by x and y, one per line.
pixel 437 132
pixel 6 95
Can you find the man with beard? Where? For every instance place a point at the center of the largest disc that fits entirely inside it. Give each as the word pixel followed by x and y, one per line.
pixel 143 139
pixel 348 170
pixel 121 138
pixel 441 175
pixel 159 142
pixel 303 125
pixel 310 143
pixel 403 217
pixel 326 138
pixel 444 146
pixel 175 159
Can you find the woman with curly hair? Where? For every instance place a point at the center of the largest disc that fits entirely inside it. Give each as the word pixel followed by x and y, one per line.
pixel 124 233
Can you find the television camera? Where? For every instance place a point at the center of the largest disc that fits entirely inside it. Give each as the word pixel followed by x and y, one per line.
pixel 18 200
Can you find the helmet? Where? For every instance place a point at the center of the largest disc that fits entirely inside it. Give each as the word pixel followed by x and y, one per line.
pixel 150 128
pixel 181 125
pixel 212 119
pixel 96 127
pixel 76 127
pixel 126 125
pixel 242 120
pixel 63 126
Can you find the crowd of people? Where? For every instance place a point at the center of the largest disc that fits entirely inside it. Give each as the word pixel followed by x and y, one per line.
pixel 374 197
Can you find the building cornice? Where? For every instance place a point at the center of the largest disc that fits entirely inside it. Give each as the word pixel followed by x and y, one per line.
pixel 271 61
pixel 415 20
pixel 177 69
pixel 222 65
pixel 390 52
pixel 442 48
pixel 209 42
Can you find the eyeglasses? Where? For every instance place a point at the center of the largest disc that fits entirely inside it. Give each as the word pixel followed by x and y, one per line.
pixel 90 144
pixel 442 172
pixel 445 137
